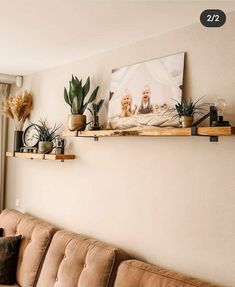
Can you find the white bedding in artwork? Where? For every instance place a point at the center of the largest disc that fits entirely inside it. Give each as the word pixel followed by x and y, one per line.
pixel 162 118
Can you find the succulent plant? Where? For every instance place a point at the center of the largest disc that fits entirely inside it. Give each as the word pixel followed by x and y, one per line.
pixel 96 107
pixel 75 96
pixel 188 108
pixel 45 133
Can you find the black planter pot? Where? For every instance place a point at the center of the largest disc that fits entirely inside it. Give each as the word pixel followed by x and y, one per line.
pixel 18 140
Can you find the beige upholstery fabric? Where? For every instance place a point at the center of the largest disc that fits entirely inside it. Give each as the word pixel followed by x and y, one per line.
pixel 36 237
pixel 76 261
pixel 133 273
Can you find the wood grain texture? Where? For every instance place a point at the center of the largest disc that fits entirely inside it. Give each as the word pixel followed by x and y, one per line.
pixel 214 131
pixel 155 132
pixel 41 156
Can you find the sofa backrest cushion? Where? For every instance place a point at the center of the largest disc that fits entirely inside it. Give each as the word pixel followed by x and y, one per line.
pixel 134 273
pixel 36 237
pixel 76 261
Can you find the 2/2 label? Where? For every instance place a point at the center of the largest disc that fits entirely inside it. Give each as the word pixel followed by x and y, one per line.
pixel 213 18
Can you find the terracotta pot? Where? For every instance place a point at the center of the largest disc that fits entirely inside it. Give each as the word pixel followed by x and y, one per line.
pixel 76 122
pixel 45 147
pixel 186 121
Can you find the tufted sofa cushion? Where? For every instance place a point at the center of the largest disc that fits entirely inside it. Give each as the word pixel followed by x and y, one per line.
pixel 36 237
pixel 76 261
pixel 134 273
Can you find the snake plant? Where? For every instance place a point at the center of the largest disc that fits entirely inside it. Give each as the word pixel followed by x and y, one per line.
pixel 75 96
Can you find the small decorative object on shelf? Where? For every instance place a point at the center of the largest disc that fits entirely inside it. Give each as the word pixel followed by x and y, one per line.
pixel 186 109
pixel 60 145
pixel 18 108
pixel 30 138
pixel 94 111
pixel 216 119
pixel 45 135
pixel 26 149
pixel 75 98
pixel 220 106
pixel 18 142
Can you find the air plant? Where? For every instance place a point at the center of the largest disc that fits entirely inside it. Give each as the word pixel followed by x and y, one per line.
pixel 188 108
pixel 76 94
pixel 18 108
pixel 45 133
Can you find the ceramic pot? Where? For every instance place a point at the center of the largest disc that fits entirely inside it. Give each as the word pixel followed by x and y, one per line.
pixel 18 140
pixel 45 147
pixel 186 121
pixel 76 122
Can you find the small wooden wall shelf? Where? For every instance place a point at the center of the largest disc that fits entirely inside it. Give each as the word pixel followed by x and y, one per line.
pixel 60 157
pixel 155 132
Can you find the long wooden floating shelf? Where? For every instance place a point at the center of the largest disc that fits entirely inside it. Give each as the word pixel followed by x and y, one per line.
pixel 155 132
pixel 28 155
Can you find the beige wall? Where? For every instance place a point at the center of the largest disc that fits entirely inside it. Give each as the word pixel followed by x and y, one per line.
pixel 170 201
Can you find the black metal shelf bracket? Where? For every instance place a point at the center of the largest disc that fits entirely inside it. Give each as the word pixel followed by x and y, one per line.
pixel 214 138
pixel 213 115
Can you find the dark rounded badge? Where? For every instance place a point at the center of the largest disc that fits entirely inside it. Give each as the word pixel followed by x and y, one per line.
pixel 213 18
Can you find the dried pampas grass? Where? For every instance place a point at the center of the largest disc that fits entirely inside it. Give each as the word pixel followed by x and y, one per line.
pixel 18 108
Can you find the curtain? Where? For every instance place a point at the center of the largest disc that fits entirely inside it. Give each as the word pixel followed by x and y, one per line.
pixel 4 92
pixel 161 74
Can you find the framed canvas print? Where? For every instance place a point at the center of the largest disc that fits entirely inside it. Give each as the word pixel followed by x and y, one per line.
pixel 142 95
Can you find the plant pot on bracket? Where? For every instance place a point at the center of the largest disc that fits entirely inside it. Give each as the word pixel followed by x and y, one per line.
pixel 75 98
pixel 76 122
pixel 45 147
pixel 186 121
pixel 185 111
pixel 45 135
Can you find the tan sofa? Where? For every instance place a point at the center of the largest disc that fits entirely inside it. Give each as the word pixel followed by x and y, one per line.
pixel 49 257
pixel 65 260
pixel 134 273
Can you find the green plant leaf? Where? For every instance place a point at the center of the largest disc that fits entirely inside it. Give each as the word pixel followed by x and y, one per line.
pixel 91 99
pixel 86 87
pixel 90 111
pixel 80 98
pixel 66 97
pixel 45 133
pixel 71 93
pixel 99 105
pixel 75 105
pixel 77 80
pixel 93 95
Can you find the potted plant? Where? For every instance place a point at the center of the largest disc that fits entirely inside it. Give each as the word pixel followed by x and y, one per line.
pixel 18 108
pixel 94 111
pixel 45 135
pixel 75 98
pixel 186 109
